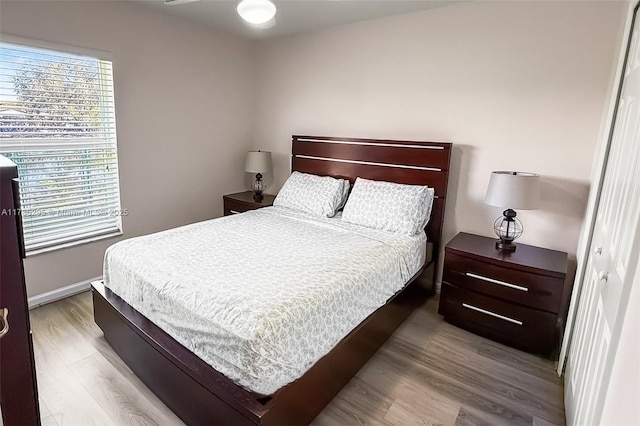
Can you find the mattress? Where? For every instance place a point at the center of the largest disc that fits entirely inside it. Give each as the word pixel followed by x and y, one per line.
pixel 261 296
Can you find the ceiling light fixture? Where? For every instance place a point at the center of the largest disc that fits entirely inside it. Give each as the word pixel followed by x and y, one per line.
pixel 256 12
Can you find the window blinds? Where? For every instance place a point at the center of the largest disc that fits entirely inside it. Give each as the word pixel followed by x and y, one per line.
pixel 57 123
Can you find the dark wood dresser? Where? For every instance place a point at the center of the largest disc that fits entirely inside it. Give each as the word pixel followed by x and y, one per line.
pixel 242 201
pixel 18 391
pixel 517 298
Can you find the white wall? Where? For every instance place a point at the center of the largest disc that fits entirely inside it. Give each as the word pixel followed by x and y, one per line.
pixel 183 96
pixel 514 85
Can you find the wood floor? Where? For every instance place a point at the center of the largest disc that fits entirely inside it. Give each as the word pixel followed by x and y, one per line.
pixel 429 372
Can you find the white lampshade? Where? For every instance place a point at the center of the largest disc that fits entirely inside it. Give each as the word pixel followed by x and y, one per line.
pixel 514 190
pixel 258 162
pixel 256 11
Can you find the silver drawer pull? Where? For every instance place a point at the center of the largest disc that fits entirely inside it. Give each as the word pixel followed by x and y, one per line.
pixel 234 211
pixel 491 280
pixel 493 314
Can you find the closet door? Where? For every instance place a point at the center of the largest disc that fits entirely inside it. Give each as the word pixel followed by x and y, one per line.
pixel 613 257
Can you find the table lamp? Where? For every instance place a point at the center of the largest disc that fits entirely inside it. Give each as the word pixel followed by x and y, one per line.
pixel 258 162
pixel 512 190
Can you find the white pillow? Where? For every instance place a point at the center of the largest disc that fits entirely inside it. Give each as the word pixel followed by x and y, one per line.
pixel 404 209
pixel 318 195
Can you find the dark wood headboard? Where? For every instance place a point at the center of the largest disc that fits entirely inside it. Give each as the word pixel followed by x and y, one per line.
pixel 408 162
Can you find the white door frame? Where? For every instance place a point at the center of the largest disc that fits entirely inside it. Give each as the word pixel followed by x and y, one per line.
pixel 582 254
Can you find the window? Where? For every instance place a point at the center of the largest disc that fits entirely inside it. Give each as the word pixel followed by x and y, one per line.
pixel 57 123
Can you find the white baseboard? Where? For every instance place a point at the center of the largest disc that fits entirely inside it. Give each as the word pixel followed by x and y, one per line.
pixel 60 293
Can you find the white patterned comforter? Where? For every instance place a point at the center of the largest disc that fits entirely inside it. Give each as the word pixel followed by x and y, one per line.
pixel 261 296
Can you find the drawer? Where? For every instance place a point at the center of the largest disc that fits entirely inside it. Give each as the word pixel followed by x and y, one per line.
pixel 525 288
pixel 515 325
pixel 234 207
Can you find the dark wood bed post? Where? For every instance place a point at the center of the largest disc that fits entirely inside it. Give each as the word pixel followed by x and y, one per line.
pixel 196 392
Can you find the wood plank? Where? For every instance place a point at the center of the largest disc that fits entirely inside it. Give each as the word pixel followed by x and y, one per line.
pixel 342 412
pixel 122 400
pixel 362 403
pixel 51 324
pixel 419 157
pixel 421 407
pixel 525 362
pixel 441 381
pixel 67 399
pixel 513 390
pixel 78 311
pixel 472 417
pixel 551 393
pixel 434 179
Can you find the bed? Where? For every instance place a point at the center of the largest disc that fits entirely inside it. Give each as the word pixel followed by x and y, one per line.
pixel 185 379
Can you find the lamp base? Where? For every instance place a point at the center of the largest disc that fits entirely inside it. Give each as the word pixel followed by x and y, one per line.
pixel 507 228
pixel 506 245
pixel 258 186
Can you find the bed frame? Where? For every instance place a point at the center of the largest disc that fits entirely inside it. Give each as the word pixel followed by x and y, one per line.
pixel 197 393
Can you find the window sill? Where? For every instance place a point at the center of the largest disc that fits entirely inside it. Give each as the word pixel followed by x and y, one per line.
pixel 72 243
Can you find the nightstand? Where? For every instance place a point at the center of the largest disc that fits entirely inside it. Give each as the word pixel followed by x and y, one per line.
pixel 242 201
pixel 517 298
